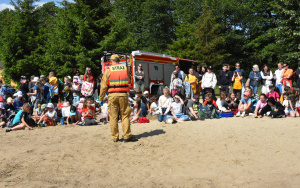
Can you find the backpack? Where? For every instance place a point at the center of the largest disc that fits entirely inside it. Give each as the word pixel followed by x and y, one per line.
pixel 3 91
pixel 10 119
pixel 51 91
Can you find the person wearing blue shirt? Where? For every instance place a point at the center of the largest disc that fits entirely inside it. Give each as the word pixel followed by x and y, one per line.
pixel 255 78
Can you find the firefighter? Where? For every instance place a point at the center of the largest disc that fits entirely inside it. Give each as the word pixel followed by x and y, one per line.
pixel 116 82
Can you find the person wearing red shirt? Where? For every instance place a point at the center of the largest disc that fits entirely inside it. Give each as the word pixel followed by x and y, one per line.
pixel 88 113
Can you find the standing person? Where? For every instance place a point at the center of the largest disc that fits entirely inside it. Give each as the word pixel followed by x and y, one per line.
pixel 255 78
pixel 243 74
pixel 97 87
pixel 181 74
pixel 31 84
pixel 176 85
pixel 277 76
pixel 45 91
pixel 87 88
pixel 237 78
pixel 24 87
pixel 266 76
pixel 36 93
pixel 286 76
pixel 88 72
pixel 3 90
pixel 164 105
pixel 198 74
pixel 76 87
pixel 209 81
pixel 116 82
pixel 67 90
pixel 224 80
pixel 192 79
pixel 54 82
pixel 297 76
pixel 140 79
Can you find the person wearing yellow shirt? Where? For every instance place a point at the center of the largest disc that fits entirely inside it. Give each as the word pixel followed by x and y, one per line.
pixel 237 78
pixel 192 79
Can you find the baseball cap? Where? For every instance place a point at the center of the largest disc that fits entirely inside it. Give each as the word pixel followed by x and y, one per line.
pixel 209 67
pixel 146 93
pixel 50 105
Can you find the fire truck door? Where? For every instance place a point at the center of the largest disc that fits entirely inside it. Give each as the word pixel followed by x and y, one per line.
pixel 156 71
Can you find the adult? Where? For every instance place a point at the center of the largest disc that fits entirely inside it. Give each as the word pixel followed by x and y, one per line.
pixel 192 79
pixel 31 84
pixel 266 77
pixel 139 79
pixel 243 74
pixel 286 76
pixel 209 81
pixel 181 74
pixel 297 76
pixel 88 71
pixel 224 79
pixel 277 77
pixel 116 82
pixel 255 78
pixel 176 84
pixel 24 87
pixel 35 96
pixel 164 105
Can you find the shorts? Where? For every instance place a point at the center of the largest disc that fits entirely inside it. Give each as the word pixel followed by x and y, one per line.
pixel 16 124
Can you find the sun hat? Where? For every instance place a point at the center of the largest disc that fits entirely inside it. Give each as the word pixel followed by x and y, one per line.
pixel 247 94
pixel 1 99
pixel 18 94
pixel 69 77
pixel 9 100
pixel 43 106
pixel 73 111
pixel 50 105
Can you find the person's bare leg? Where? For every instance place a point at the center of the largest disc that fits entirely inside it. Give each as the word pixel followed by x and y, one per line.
pixel 292 114
pixel 18 127
pixel 2 124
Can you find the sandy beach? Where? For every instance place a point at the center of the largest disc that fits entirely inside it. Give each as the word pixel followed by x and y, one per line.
pixel 234 152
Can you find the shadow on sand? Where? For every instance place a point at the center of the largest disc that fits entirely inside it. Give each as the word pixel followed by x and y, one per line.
pixel 151 133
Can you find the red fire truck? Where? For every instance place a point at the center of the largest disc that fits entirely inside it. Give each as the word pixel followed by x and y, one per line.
pixel 157 67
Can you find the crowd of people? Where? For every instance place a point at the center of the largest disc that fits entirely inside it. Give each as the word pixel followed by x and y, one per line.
pixel 48 101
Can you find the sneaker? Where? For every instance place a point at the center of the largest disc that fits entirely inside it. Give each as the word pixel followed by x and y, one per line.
pixel 180 121
pixel 243 114
pixel 131 139
pixel 201 118
pixel 169 120
pixel 238 114
pixel 8 130
pixel 251 114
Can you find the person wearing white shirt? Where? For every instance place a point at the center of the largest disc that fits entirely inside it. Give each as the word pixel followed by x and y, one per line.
pixel 177 110
pixel 277 76
pixel 209 81
pixel 164 105
pixel 266 76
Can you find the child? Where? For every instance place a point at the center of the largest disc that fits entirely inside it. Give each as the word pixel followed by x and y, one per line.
pixel 76 87
pixel 51 115
pixel 195 109
pixel 38 112
pixel 19 120
pixel 164 104
pixel 222 104
pixel 260 105
pixel 74 116
pixel 273 93
pixel 87 88
pixel 80 105
pixel 211 107
pixel 136 111
pixel 67 90
pixel 19 101
pixel 176 109
pixel 237 78
pixel 286 104
pixel 9 107
pixel 244 106
pixel 287 90
pixel 2 112
pixel 65 112
pixel 154 106
pixel 232 101
pixel 273 108
pixel 104 111
pixel 88 113
pixel 293 98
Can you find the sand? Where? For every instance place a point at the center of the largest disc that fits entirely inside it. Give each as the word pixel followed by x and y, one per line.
pixel 235 152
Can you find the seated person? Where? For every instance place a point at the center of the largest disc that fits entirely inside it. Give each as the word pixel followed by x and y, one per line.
pixel 232 101
pixel 176 109
pixel 19 120
pixel 211 107
pixel 154 110
pixel 273 109
pixel 136 111
pixel 222 103
pixel 245 105
pixel 260 105
pixel 104 111
pixel 50 116
pixel 88 113
pixel 195 108
pixel 74 116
